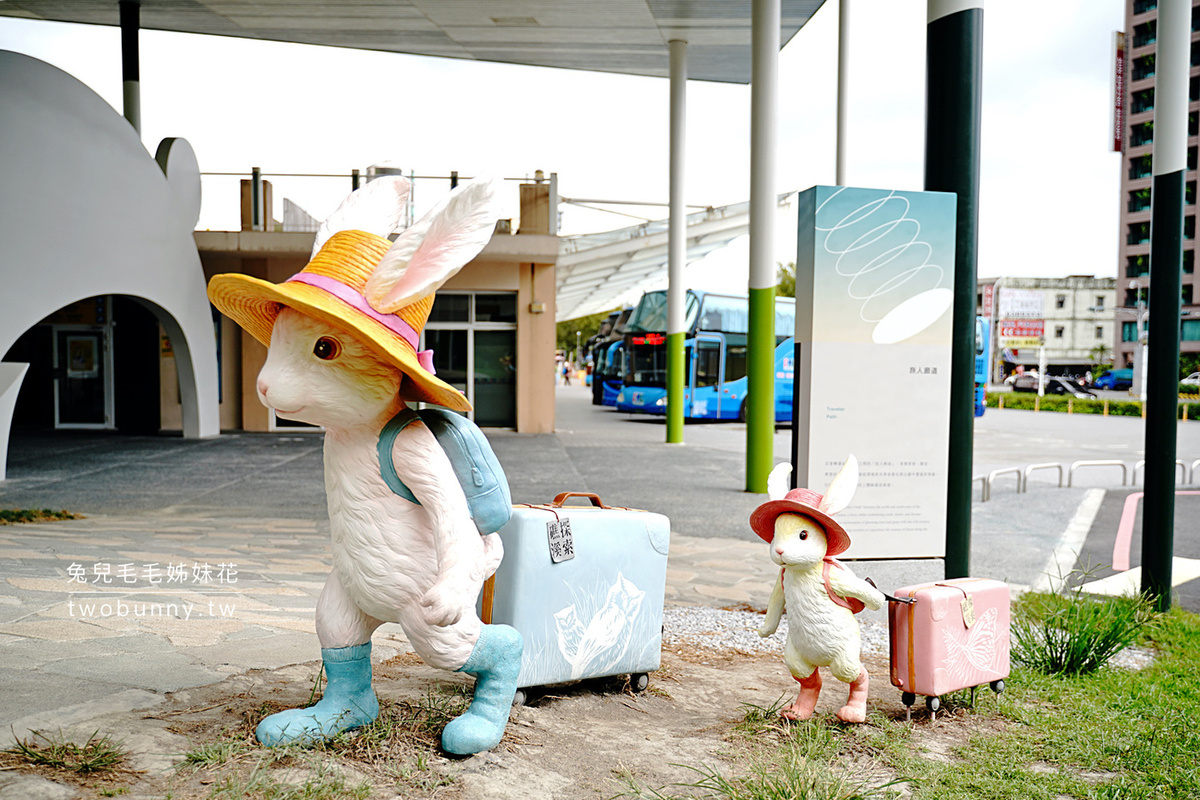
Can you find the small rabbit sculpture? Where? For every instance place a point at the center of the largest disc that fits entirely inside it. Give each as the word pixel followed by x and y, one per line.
pixel 342 337
pixel 822 596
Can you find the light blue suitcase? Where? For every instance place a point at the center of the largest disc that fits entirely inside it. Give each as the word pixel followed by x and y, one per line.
pixel 588 600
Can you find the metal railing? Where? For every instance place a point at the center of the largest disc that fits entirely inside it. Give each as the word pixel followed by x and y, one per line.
pixel 1182 467
pixel 1186 474
pixel 222 204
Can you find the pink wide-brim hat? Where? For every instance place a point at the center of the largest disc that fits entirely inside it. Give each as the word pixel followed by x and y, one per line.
pixel 806 503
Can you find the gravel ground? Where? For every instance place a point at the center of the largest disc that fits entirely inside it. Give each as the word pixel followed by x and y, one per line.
pixel 719 629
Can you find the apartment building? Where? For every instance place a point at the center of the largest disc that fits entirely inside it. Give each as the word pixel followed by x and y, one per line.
pixel 1136 297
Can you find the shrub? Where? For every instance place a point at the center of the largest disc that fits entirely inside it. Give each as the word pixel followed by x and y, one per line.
pixel 1075 633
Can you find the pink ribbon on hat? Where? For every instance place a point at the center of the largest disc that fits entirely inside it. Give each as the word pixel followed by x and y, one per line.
pixel 355 300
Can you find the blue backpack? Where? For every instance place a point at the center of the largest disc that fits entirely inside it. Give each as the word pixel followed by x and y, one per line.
pixel 478 470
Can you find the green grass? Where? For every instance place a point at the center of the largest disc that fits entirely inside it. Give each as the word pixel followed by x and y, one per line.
pixel 13 516
pixel 1102 735
pixel 263 783
pixel 1075 633
pixel 1094 734
pixel 99 754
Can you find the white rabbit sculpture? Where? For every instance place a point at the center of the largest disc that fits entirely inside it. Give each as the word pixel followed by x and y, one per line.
pixel 822 596
pixel 343 336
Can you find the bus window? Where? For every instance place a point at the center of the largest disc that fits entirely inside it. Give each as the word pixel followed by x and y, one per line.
pixel 725 314
pixel 785 318
pixel 651 313
pixel 735 361
pixel 708 363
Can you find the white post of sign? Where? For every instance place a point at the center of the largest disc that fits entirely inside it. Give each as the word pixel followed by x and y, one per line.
pixel 1042 368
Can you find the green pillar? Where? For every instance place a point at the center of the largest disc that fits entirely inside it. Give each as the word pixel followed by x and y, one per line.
pixel 760 397
pixel 675 387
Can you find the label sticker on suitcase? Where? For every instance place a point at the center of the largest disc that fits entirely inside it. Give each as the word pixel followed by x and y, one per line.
pixel 968 611
pixel 562 546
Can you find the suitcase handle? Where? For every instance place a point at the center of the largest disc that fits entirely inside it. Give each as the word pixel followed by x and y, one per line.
pixel 561 497
pixel 889 598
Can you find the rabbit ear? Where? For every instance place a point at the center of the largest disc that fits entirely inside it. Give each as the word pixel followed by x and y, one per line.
pixel 430 252
pixel 777 481
pixel 841 488
pixel 379 207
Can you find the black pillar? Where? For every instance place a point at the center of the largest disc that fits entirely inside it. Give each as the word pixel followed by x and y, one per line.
pixel 1166 266
pixel 130 11
pixel 954 80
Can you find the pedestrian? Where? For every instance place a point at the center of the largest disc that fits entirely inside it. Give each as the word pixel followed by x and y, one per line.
pixel 566 373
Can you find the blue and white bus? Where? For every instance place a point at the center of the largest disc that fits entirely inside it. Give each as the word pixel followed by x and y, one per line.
pixel 983 362
pixel 608 370
pixel 716 327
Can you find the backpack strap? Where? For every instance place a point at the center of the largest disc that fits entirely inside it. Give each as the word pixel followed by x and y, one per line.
pixel 853 603
pixel 387 440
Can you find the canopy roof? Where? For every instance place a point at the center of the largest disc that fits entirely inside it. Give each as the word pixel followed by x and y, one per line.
pixel 623 36
pixel 595 270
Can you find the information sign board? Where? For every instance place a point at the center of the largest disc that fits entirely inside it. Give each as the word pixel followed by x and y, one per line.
pixel 874 278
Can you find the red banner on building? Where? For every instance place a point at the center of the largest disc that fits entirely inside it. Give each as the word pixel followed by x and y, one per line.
pixel 1022 332
pixel 1118 130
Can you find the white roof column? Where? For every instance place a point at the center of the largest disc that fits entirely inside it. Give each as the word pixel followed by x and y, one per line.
pixel 764 101
pixel 676 244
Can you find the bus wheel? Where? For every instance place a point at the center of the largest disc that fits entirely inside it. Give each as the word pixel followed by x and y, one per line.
pixel 742 411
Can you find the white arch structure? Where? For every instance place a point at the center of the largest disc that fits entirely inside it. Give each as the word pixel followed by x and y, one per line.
pixel 85 211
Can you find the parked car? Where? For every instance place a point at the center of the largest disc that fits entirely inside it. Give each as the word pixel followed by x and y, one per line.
pixel 1192 380
pixel 1012 379
pixel 1061 386
pixel 1115 379
pixel 1027 382
pixel 1068 386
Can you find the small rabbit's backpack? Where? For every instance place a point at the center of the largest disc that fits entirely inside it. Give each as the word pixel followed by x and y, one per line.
pixel 474 463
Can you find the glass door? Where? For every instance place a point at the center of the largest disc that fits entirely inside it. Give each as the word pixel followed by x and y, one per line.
pixel 707 377
pixel 474 341
pixel 83 390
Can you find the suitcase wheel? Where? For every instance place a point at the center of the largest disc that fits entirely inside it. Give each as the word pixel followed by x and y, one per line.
pixel 638 681
pixel 907 698
pixel 519 697
pixel 997 686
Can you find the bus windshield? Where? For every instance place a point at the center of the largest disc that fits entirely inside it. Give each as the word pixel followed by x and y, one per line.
pixel 650 316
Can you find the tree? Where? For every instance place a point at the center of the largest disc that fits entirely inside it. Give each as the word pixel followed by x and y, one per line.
pixel 587 326
pixel 785 279
pixel 1101 356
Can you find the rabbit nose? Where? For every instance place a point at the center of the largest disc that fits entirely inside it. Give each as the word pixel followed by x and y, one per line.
pixel 262 387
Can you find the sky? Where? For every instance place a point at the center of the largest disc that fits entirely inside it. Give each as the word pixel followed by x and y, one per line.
pixel 1049 185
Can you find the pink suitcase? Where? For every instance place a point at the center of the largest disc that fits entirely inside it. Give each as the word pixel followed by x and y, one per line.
pixel 953 635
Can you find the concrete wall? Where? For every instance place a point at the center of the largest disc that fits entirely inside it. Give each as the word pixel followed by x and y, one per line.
pixel 86 211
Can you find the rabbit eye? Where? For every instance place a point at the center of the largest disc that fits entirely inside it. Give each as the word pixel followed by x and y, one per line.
pixel 327 348
pixel 803 534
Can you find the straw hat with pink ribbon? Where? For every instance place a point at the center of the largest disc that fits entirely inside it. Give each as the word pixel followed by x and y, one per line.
pixel 807 503
pixel 379 291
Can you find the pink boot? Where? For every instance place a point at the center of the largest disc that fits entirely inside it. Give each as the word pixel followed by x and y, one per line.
pixel 855 709
pixel 806 701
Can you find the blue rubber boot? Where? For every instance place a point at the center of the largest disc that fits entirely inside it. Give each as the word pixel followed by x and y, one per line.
pixel 495 662
pixel 349 702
